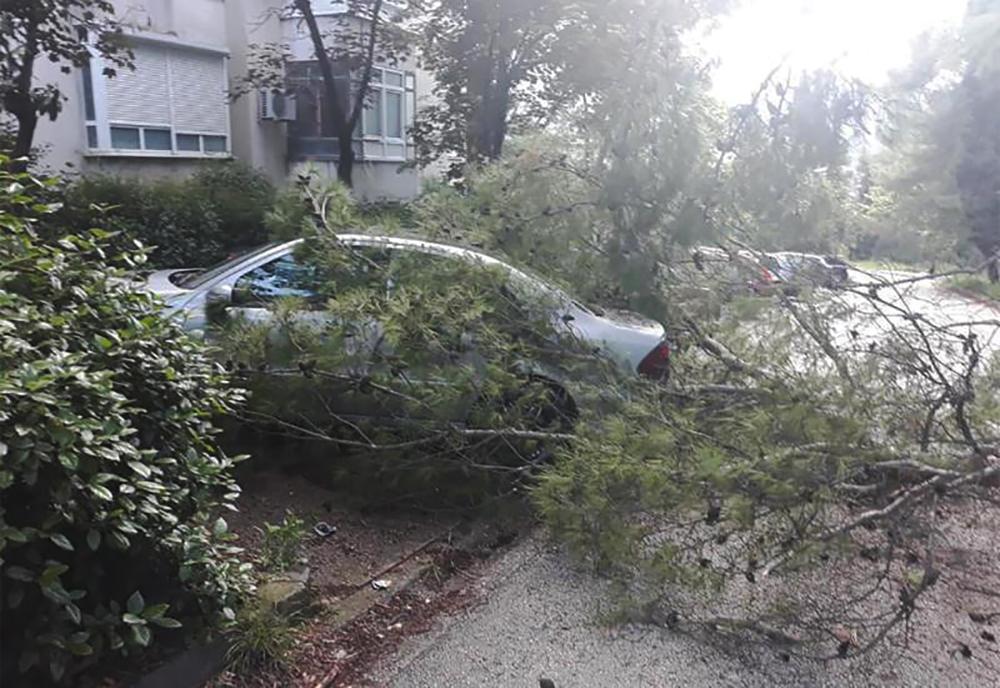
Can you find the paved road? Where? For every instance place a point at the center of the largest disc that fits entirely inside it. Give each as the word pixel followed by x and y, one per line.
pixel 933 301
pixel 541 618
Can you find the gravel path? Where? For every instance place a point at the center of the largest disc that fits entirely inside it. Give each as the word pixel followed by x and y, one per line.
pixel 541 619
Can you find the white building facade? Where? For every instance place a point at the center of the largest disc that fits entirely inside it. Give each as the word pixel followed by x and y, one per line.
pixel 174 110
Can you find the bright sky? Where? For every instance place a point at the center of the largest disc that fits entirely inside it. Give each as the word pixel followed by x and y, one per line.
pixel 861 38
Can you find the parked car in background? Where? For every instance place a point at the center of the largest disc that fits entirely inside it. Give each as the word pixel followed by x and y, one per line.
pixel 739 271
pixel 246 285
pixel 806 269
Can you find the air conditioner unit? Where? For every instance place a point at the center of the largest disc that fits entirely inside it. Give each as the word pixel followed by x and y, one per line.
pixel 277 105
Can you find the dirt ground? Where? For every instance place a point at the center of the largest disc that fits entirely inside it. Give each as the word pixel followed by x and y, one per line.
pixel 428 561
pixel 363 544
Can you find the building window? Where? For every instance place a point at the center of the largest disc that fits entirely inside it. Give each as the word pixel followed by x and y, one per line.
pixel 125 138
pixel 381 133
pixel 189 142
pixel 156 139
pixel 213 144
pixel 173 103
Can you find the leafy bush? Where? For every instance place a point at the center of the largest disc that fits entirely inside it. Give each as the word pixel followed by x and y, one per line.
pixel 191 222
pixel 282 543
pixel 110 480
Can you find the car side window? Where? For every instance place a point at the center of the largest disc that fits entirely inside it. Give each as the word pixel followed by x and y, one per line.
pixel 282 277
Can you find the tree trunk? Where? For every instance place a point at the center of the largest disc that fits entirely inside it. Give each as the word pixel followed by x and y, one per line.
pixel 488 122
pixel 27 121
pixel 345 158
pixel 345 113
pixel 19 103
pixel 342 128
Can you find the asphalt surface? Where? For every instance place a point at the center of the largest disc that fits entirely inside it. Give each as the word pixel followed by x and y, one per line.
pixel 927 298
pixel 542 618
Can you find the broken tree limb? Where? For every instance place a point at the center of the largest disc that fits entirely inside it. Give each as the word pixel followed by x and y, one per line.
pixel 907 498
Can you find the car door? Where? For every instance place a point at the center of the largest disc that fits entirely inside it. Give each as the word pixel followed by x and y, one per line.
pixel 289 297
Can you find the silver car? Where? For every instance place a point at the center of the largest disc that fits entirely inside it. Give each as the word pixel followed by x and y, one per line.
pixel 243 286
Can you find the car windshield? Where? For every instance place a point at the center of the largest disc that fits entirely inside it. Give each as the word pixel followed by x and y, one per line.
pixel 197 279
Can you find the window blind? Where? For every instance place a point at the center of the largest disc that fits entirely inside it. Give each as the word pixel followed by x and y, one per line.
pixel 141 95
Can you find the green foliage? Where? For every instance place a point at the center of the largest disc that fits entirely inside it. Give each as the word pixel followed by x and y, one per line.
pixel 240 196
pixel 932 196
pixel 293 217
pixel 192 222
pixel 909 195
pixel 260 639
pixel 110 478
pixel 537 62
pixel 281 543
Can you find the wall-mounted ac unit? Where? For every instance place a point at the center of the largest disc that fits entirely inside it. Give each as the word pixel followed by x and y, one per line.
pixel 276 105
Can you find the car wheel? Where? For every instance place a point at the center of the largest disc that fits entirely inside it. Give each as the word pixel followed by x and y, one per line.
pixel 537 405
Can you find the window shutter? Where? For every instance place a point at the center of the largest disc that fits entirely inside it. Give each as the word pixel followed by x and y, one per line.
pixel 142 95
pixel 198 83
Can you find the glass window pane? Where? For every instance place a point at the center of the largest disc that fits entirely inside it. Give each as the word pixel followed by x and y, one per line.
pixel 91 136
pixel 281 278
pixel 156 139
pixel 88 92
pixel 188 142
pixel 376 76
pixel 394 115
pixel 126 138
pixel 373 114
pixel 214 144
pixel 394 78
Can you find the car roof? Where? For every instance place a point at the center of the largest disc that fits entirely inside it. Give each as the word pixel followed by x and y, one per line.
pixel 440 249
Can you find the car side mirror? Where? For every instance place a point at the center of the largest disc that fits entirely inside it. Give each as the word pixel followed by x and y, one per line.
pixel 219 295
pixel 217 300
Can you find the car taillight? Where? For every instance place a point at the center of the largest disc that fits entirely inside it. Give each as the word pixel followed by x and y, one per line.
pixel 656 364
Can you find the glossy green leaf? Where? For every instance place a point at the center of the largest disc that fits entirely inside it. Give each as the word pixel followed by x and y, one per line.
pixel 135 603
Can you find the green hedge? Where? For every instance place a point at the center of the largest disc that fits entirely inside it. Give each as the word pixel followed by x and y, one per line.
pixel 190 222
pixel 111 481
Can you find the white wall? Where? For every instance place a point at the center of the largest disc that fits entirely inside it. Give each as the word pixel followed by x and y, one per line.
pixel 62 143
pixel 262 144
